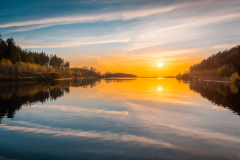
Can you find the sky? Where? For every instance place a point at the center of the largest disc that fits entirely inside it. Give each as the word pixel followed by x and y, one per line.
pixel 130 36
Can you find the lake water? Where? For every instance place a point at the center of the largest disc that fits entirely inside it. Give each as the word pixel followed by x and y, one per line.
pixel 119 119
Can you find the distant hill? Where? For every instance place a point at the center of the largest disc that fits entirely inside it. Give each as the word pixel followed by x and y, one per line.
pixel 108 74
pixel 227 61
pixel 88 72
pixel 169 77
pixel 92 72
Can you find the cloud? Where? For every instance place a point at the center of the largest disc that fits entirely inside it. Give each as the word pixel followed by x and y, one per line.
pixel 163 56
pixel 154 31
pixel 72 42
pixel 90 18
pixel 140 37
pixel 179 31
pixel 28 28
pixel 224 46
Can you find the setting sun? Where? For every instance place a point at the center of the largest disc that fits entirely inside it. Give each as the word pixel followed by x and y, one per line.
pixel 160 64
pixel 159 88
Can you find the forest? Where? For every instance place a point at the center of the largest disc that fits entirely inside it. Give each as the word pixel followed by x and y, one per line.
pixel 109 74
pixel 228 61
pixel 11 51
pixel 88 72
pixel 223 66
pixel 93 72
pixel 16 62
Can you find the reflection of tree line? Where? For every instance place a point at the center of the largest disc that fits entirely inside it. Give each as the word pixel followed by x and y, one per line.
pixel 14 95
pixel 227 96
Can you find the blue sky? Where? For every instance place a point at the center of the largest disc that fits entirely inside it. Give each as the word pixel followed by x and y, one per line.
pixel 120 35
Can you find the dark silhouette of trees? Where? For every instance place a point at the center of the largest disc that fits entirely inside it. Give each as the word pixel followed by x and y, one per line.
pixel 229 58
pixel 12 51
pixel 3 47
pixel 66 65
pixel 56 62
pixel 88 72
pixel 9 50
pixel 44 59
pixel 109 74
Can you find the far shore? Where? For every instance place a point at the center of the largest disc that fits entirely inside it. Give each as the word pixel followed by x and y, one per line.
pixel 62 79
pixel 16 79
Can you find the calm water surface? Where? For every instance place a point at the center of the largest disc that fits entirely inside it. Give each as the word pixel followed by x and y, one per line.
pixel 119 119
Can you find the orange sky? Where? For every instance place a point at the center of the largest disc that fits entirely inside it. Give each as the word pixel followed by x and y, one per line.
pixel 141 64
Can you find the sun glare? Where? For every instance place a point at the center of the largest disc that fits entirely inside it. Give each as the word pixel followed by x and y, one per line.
pixel 159 64
pixel 159 88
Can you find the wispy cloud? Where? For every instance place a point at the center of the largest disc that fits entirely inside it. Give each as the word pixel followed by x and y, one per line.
pixel 175 33
pixel 28 28
pixel 224 46
pixel 72 42
pixel 139 37
pixel 123 15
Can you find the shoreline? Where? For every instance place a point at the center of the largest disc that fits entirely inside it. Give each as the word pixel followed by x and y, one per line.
pixel 62 79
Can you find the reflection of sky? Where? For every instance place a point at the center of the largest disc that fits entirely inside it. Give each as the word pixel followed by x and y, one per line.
pixel 116 119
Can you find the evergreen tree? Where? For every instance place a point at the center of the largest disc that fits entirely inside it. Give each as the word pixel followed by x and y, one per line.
pixel 229 57
pixel 9 50
pixel 3 47
pixel 13 52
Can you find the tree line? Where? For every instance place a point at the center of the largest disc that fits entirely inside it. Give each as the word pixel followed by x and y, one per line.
pixel 93 72
pixel 11 51
pixel 88 72
pixel 109 74
pixel 230 59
